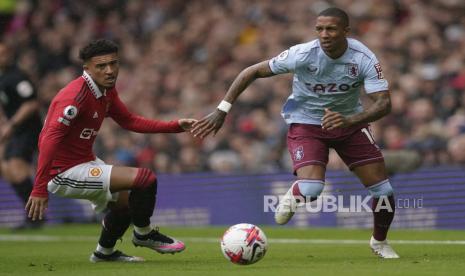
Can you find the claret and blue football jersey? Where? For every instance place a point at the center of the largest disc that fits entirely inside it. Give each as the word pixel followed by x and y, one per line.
pixel 322 82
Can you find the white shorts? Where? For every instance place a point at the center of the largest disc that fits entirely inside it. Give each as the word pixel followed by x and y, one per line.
pixel 89 181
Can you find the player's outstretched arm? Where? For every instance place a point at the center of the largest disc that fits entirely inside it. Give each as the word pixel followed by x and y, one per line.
pixel 380 107
pixel 214 121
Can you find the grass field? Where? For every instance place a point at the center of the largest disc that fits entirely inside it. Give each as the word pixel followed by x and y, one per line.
pixel 64 250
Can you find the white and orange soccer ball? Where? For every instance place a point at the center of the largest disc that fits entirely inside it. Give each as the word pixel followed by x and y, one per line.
pixel 244 244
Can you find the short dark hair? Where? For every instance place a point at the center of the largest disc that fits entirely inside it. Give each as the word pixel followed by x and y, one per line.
pixel 98 48
pixel 336 12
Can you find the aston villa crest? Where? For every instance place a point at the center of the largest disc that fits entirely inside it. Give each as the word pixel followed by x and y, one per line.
pixel 352 70
pixel 299 153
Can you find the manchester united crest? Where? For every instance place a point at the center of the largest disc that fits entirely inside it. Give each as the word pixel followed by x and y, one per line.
pixel 95 172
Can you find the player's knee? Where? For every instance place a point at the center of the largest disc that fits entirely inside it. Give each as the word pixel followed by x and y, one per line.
pixel 15 174
pixel 310 187
pixel 382 188
pixel 145 180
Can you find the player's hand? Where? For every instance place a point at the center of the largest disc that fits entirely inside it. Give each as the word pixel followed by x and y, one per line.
pixel 5 132
pixel 332 120
pixel 210 123
pixel 186 124
pixel 36 207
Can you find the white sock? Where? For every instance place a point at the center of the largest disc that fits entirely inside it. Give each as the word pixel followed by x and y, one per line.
pixel 143 230
pixel 104 250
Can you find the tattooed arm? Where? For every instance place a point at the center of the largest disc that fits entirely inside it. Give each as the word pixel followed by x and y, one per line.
pixel 380 107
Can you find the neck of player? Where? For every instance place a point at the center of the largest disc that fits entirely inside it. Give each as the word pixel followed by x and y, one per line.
pixel 339 51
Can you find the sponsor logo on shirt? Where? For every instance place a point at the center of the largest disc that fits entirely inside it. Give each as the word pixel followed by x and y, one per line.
pixel 87 133
pixel 379 70
pixel 95 172
pixel 332 87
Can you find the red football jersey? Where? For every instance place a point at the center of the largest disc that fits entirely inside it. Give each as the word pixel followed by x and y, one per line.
pixel 72 123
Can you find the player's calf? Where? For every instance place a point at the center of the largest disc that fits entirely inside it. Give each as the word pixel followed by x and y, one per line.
pixel 302 190
pixel 114 225
pixel 383 206
pixel 142 197
pixel 142 203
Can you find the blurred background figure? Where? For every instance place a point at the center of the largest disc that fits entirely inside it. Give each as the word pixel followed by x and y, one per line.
pixel 19 129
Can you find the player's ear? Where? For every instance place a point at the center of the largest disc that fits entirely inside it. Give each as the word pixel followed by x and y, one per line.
pixel 85 66
pixel 347 30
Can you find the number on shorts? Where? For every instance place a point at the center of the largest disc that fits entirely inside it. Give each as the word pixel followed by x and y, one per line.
pixel 367 132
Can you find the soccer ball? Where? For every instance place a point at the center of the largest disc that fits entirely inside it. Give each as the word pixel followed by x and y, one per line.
pixel 244 244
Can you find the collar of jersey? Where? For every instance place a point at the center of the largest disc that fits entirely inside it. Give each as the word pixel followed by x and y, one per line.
pixel 92 86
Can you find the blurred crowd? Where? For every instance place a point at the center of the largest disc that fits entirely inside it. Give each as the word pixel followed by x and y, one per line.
pixel 179 57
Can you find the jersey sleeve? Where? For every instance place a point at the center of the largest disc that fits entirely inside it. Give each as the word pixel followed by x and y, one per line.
pixel 374 80
pixel 127 120
pixel 59 119
pixel 285 62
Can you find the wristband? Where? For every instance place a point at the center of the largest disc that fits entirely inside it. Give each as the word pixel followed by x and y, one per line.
pixel 224 106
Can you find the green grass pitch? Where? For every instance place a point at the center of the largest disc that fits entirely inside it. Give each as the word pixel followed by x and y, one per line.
pixel 64 250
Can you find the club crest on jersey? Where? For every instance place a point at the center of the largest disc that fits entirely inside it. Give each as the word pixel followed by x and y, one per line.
pixel 95 172
pixel 70 112
pixel 352 70
pixel 299 153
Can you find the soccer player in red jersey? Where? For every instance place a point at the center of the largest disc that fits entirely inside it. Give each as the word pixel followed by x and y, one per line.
pixel 67 166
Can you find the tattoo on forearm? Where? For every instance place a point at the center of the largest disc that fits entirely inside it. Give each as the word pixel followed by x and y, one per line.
pixel 381 106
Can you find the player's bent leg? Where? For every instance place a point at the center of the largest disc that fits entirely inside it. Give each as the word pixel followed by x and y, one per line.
pixel 18 174
pixel 16 170
pixel 383 206
pixel 306 189
pixel 142 200
pixel 114 225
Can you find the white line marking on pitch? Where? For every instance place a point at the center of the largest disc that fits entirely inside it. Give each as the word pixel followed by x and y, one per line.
pixel 51 238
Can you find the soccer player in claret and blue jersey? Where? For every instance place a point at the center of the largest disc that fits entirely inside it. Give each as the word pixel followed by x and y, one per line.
pixel 324 111
pixel 67 166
